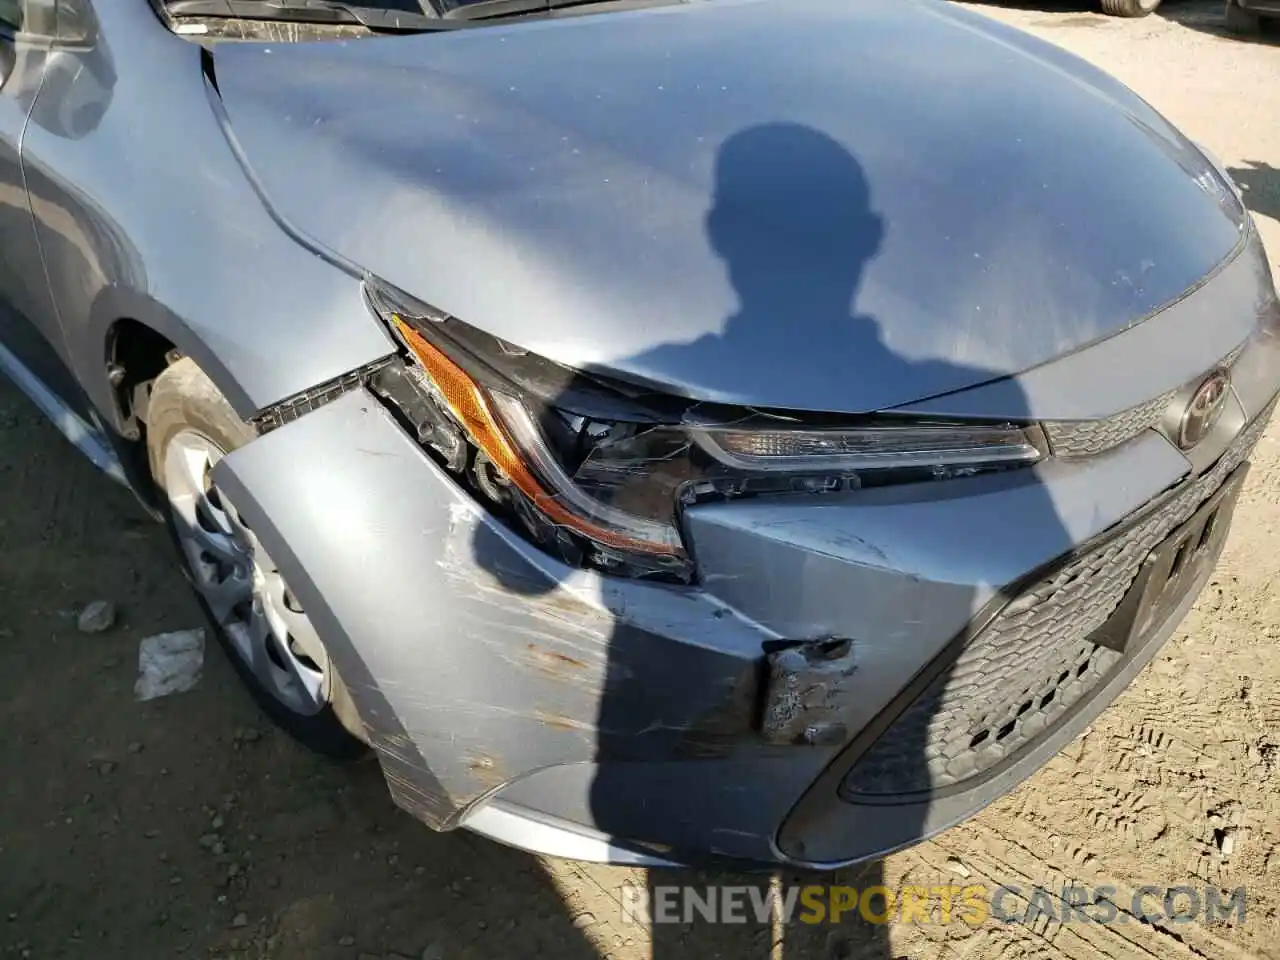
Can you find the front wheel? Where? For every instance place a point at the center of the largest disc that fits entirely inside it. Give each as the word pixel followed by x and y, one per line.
pixel 1129 8
pixel 256 618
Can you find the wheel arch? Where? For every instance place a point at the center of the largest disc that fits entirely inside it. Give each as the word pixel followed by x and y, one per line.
pixel 133 336
pixel 132 339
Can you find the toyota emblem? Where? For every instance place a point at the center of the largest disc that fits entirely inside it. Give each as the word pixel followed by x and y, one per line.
pixel 1204 409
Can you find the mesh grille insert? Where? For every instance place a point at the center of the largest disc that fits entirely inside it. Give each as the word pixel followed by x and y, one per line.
pixel 1022 672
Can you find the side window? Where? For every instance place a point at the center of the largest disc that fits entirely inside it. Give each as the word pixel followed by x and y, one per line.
pixel 76 21
pixel 11 19
pixel 36 20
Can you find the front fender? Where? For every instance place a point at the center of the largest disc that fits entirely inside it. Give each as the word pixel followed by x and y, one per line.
pixel 475 660
pixel 142 212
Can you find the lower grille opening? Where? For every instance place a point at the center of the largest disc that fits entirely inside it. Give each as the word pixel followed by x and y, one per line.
pixel 1016 679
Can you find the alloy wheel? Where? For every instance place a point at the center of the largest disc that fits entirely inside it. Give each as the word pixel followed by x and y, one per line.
pixel 240 585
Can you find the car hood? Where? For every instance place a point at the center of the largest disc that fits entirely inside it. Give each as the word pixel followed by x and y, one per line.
pixel 838 205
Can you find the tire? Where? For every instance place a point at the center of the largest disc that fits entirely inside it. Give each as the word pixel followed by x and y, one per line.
pixel 258 623
pixel 1129 8
pixel 1242 21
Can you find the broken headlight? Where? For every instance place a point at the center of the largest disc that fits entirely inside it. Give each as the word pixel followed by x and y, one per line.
pixel 598 471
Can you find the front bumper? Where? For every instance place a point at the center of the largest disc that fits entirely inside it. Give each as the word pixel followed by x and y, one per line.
pixel 600 718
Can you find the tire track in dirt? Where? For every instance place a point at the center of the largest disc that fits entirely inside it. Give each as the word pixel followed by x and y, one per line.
pixel 1043 868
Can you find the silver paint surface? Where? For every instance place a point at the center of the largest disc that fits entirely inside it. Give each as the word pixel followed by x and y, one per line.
pixel 810 204
pixel 622 191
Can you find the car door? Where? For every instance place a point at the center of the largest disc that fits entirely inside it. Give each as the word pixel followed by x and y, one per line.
pixel 31 344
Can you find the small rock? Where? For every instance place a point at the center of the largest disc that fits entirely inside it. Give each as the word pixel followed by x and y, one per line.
pixel 208 840
pixel 106 767
pixel 233 870
pixel 217 822
pixel 239 920
pixel 584 920
pixel 219 848
pixel 135 747
pixel 1151 827
pixel 956 866
pixel 346 941
pixel 432 951
pixel 169 663
pixel 248 735
pixel 152 833
pixel 97 617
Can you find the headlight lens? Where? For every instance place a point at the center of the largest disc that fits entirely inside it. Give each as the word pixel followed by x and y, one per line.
pixel 609 490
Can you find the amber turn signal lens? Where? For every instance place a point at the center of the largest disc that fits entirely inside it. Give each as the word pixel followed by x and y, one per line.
pixel 472 409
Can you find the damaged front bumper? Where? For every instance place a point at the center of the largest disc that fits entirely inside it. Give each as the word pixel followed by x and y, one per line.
pixel 594 717
pixel 487 672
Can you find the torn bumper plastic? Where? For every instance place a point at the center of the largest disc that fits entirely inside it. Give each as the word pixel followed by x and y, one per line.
pixel 485 670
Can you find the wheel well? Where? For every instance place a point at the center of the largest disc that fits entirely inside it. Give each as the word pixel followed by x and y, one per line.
pixel 136 355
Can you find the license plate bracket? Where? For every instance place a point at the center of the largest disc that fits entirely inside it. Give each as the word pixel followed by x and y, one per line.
pixel 1170 569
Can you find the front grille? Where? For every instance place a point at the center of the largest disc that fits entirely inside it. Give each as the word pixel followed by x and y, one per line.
pixel 1021 673
pixel 1085 438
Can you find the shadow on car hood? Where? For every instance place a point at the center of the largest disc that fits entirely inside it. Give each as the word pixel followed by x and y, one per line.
pixel 810 204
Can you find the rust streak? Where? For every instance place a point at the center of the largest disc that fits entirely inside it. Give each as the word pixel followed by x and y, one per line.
pixel 558 722
pixel 556 656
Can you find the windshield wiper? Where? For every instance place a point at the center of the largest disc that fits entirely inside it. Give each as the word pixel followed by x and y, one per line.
pixel 373 16
pixel 470 10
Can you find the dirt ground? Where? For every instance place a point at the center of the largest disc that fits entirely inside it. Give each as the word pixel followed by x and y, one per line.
pixel 186 827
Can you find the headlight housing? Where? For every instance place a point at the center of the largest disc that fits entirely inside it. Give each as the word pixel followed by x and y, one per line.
pixel 599 470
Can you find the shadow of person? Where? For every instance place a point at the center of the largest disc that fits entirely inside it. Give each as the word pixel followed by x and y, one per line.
pixel 793 220
pixel 1260 183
